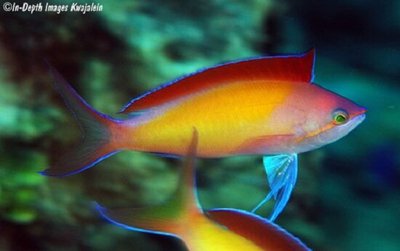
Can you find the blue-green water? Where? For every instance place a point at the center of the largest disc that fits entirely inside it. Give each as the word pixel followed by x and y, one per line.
pixel 347 195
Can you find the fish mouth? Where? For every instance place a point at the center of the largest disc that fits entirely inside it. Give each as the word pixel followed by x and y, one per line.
pixel 330 133
pixel 362 111
pixel 354 121
pixel 340 131
pixel 358 118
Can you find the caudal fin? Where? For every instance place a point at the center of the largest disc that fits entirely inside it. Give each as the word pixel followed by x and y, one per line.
pixel 98 141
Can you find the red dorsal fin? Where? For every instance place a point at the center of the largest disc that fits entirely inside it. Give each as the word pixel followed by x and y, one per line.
pixel 297 68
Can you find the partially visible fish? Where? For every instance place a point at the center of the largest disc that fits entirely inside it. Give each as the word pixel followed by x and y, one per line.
pixel 267 106
pixel 215 230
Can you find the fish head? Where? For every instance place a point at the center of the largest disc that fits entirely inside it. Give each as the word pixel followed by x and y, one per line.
pixel 325 117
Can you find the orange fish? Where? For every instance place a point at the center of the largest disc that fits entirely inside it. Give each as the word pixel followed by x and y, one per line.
pixel 217 229
pixel 265 106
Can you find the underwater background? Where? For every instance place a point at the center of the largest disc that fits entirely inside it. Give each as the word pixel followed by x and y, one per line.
pixel 347 195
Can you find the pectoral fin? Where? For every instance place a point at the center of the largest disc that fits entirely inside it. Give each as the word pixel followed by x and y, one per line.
pixel 281 173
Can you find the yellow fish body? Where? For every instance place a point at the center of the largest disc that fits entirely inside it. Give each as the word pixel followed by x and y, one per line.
pixel 265 106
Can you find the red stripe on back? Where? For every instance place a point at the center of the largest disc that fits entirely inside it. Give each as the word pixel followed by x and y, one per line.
pixel 298 68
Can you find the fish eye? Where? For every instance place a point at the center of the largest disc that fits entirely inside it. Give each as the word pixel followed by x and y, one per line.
pixel 340 116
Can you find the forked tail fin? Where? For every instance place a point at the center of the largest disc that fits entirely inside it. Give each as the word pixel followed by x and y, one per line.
pixel 99 141
pixel 170 218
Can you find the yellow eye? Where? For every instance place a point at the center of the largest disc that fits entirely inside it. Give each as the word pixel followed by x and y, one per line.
pixel 340 117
